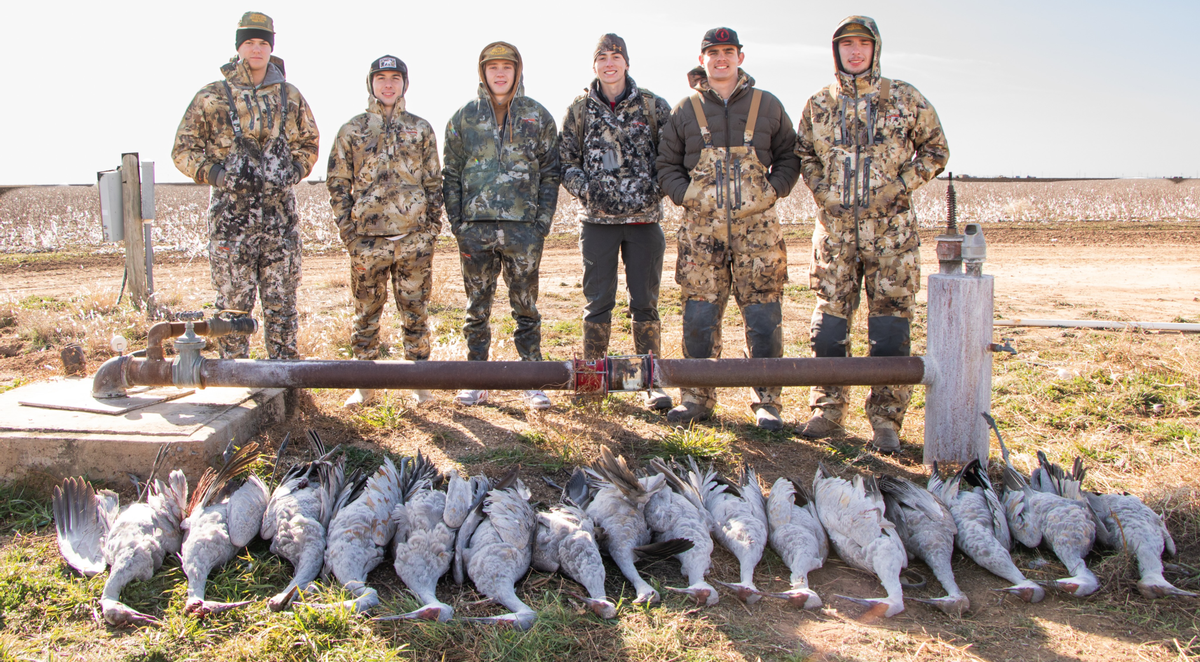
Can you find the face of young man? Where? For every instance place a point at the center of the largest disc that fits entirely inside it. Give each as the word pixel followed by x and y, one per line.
pixel 856 54
pixel 500 75
pixel 256 53
pixel 721 63
pixel 387 86
pixel 610 67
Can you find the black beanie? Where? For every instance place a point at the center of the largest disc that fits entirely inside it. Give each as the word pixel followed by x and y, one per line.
pixel 255 25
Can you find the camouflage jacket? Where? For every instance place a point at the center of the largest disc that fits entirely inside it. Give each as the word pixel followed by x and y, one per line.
pixel 493 173
pixel 384 178
pixel 853 144
pixel 205 136
pixel 774 138
pixel 611 167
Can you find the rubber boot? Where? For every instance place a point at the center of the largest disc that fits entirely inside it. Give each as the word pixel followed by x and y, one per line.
pixel 701 340
pixel 830 337
pixel 595 340
pixel 647 339
pixel 764 339
pixel 886 405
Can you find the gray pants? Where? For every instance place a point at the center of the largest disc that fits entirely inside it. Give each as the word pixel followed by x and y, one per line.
pixel 641 247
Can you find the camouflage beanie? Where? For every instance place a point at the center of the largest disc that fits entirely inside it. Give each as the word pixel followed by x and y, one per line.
pixel 255 25
pixel 611 43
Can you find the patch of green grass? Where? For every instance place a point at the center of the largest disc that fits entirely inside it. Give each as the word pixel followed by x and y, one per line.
pixel 16 383
pixel 21 512
pixel 701 442
pixel 37 302
pixel 387 415
pixel 563 332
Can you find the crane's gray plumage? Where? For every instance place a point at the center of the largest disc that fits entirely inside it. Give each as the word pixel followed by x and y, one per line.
pixel 982 526
pixel 619 507
pixel 1065 524
pixel 1123 522
pixel 501 548
pixel 223 517
pixel 739 515
pixel 566 542
pixel 359 533
pixel 853 516
pixel 798 538
pixel 927 529
pixel 679 513
pixel 93 533
pixel 298 514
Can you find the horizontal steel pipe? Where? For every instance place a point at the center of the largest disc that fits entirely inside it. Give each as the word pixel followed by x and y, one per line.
pixel 444 375
pixel 849 371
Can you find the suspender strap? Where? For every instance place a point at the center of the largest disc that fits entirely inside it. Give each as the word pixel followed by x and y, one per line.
pixel 651 117
pixel 698 106
pixel 232 110
pixel 755 100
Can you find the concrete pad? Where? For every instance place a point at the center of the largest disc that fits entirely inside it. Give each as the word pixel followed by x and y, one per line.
pixel 58 443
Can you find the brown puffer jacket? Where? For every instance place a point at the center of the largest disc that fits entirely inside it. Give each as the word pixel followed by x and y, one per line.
pixel 774 137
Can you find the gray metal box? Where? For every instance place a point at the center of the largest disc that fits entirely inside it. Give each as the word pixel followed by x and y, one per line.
pixel 112 208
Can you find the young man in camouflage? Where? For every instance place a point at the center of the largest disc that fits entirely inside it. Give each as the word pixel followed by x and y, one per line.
pixel 500 181
pixel 252 137
pixel 727 154
pixel 385 185
pixel 866 144
pixel 608 148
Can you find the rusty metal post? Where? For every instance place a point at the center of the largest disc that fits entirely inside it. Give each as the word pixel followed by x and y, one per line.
pixel 959 359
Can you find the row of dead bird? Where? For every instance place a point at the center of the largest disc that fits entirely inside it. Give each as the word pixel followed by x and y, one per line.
pixel 325 524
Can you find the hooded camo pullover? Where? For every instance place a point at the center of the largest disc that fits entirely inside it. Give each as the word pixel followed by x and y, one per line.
pixel 506 172
pixel 384 178
pixel 205 136
pixel 852 144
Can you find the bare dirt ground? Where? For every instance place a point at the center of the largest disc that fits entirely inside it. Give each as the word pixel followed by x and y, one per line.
pixel 1142 272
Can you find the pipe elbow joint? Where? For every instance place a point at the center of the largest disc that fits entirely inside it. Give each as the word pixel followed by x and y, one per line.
pixel 109 381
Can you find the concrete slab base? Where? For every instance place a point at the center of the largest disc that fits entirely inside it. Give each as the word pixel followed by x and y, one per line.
pixel 56 443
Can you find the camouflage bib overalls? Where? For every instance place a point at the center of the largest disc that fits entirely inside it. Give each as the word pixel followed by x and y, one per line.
pixel 730 239
pixel 254 238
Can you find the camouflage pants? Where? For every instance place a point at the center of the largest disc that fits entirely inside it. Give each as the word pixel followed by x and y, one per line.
pixel 409 263
pixel 889 271
pixel 487 249
pixel 716 255
pixel 267 265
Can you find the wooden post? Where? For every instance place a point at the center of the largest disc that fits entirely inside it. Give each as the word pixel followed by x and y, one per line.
pixel 135 242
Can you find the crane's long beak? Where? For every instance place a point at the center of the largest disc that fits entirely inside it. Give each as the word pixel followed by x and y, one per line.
pixel 518 620
pixel 1031 592
pixel 602 608
pixel 877 608
pixel 800 598
pixel 700 595
pixel 202 608
pixel 952 605
pixel 747 594
pixel 440 613
pixel 120 614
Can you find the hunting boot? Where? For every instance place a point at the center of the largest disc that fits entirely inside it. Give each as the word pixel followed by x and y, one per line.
pixel 764 338
pixel 830 337
pixel 647 339
pixel 595 340
pixel 701 340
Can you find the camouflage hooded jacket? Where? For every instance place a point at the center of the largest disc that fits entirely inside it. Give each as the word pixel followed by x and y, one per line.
pixel 384 177
pixel 681 143
pixel 501 173
pixel 613 175
pixel 205 136
pixel 852 144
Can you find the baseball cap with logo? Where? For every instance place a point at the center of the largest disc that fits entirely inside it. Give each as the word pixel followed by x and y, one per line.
pixel 255 25
pixel 854 30
pixel 719 37
pixel 388 63
pixel 499 51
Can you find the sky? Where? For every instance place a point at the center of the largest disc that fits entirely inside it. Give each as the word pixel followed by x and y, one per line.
pixel 1049 88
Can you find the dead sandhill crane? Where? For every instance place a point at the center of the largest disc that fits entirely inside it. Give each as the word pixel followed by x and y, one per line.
pixel 740 516
pixel 679 513
pixel 982 526
pixel 500 535
pixel 853 516
pixel 619 507
pixel 92 534
pixel 298 514
pixel 1034 517
pixel 927 529
pixel 223 517
pixel 1123 522
pixel 427 524
pixel 566 542
pixel 359 533
pixel 798 537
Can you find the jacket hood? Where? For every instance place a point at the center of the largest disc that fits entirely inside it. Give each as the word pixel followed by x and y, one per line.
pixel 519 74
pixel 698 80
pixel 238 73
pixel 871 76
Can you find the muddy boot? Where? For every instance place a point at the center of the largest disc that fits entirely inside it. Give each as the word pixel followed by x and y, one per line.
pixel 689 412
pixel 819 427
pixel 886 441
pixel 595 340
pixel 647 339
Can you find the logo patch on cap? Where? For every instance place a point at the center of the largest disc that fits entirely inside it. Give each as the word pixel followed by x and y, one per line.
pixel 387 63
pixel 722 34
pixel 498 50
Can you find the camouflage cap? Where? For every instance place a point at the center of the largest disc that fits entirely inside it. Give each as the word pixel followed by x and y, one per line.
pixel 853 30
pixel 611 43
pixel 499 51
pixel 255 25
pixel 719 37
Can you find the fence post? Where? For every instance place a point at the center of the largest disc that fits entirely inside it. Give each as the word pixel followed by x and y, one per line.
pixel 135 242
